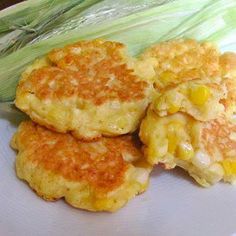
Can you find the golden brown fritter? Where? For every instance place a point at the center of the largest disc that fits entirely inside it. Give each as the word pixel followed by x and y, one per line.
pixel 207 150
pixel 97 176
pixel 182 60
pixel 87 88
pixel 192 77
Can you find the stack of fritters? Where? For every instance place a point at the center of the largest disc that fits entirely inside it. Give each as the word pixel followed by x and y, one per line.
pixel 190 122
pixel 86 91
pixel 87 99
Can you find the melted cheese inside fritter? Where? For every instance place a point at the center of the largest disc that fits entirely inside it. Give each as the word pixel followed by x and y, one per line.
pixel 97 176
pixel 87 88
pixel 207 150
pixel 192 77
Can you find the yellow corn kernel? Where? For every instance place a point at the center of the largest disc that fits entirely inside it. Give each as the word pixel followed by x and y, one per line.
pixel 56 114
pixel 157 103
pixel 173 108
pixel 152 149
pixel 145 68
pixel 167 77
pixel 172 143
pixel 156 149
pixel 122 122
pixel 106 203
pixel 174 126
pixel 217 172
pixel 229 167
pixel 173 129
pixel 199 95
pixel 185 151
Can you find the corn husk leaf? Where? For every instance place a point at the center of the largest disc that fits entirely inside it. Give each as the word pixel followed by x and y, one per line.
pixel 201 19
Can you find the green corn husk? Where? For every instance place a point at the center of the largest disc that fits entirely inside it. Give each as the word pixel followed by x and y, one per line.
pixel 102 11
pixel 87 12
pixel 201 19
pixel 20 16
pixel 47 16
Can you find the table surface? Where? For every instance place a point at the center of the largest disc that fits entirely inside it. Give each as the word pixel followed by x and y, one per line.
pixel 7 3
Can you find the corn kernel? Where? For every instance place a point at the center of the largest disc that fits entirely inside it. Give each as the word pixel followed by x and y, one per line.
pixel 173 139
pixel 229 167
pixel 122 122
pixel 174 126
pixel 199 95
pixel 167 77
pixel 173 108
pixel 145 69
pixel 100 204
pixel 172 143
pixel 157 102
pixel 185 151
pixel 156 149
pixel 201 160
pixel 217 172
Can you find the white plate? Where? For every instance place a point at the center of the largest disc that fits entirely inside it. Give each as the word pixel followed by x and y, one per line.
pixel 173 205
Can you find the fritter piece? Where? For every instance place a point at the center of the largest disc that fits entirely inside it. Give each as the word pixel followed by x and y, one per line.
pixel 182 60
pixel 86 88
pixel 192 77
pixel 201 100
pixel 207 150
pixel 96 176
